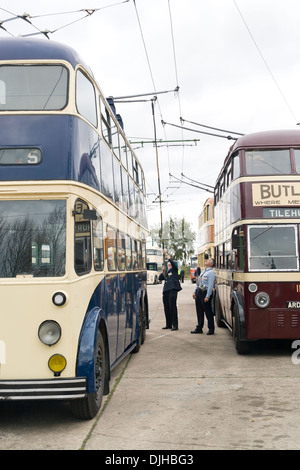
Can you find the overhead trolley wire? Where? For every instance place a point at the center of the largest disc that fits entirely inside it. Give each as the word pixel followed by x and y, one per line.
pixel 176 73
pixel 154 123
pixel 27 17
pixel 264 61
pixel 24 17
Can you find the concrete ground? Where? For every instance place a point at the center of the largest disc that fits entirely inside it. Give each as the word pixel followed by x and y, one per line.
pixel 184 391
pixel 180 392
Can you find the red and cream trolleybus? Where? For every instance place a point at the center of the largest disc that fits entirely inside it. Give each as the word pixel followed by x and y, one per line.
pixel 205 234
pixel 257 216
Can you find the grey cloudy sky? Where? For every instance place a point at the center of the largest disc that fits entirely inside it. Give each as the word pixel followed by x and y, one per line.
pixel 236 62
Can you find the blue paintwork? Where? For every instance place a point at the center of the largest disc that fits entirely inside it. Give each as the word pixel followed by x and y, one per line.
pixel 72 150
pixel 102 306
pixel 66 143
pixel 35 49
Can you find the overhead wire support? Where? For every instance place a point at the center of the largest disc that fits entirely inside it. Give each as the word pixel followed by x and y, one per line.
pixel 209 127
pixel 176 89
pixel 27 17
pixel 228 137
pixel 207 189
pixel 207 185
pixel 160 141
pixel 24 17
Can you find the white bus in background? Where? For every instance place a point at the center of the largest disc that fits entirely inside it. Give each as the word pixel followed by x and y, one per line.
pixel 154 258
pixel 155 255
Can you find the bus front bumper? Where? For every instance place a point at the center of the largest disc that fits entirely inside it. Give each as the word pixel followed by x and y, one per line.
pixel 48 389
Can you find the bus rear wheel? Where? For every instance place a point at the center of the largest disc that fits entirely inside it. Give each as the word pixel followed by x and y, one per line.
pixel 142 330
pixel 88 407
pixel 241 346
pixel 217 308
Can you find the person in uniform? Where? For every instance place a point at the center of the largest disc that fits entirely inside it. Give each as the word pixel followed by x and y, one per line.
pixel 170 290
pixel 203 297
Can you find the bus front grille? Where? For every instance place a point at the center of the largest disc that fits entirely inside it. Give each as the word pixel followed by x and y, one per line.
pixel 52 389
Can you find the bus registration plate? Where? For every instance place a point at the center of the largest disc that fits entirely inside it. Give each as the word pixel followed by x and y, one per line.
pixel 293 304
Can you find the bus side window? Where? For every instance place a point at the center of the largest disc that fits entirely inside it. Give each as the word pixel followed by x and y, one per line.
pixel 2 92
pixel 117 182
pixel 144 255
pixel 82 227
pixel 105 124
pixel 139 257
pixel 134 255
pixel 128 254
pixel 123 151
pixel 238 247
pixel 86 98
pixel 121 251
pixel 235 166
pixel 115 139
pixel 228 256
pixel 111 249
pixel 125 192
pixel 98 243
pixel 135 170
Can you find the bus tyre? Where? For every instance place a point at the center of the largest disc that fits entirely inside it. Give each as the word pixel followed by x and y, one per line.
pixel 88 407
pixel 241 346
pixel 217 310
pixel 142 330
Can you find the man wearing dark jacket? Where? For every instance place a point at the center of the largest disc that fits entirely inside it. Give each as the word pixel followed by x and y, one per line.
pixel 171 288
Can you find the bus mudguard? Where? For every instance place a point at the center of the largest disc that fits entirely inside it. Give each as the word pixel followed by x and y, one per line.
pixel 237 299
pixel 86 347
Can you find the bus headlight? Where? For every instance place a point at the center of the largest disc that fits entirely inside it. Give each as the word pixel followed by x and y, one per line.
pixel 49 332
pixel 57 363
pixel 262 300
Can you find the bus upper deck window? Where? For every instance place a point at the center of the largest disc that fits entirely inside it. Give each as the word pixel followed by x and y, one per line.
pixel 268 162
pixel 33 87
pixel 297 160
pixel 2 92
pixel 20 156
pixel 86 98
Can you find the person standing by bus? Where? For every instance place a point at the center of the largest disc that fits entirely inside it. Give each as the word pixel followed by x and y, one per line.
pixel 203 297
pixel 171 288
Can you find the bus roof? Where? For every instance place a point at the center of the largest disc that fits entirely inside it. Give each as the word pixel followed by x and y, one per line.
pixel 281 138
pixel 37 49
pixel 264 139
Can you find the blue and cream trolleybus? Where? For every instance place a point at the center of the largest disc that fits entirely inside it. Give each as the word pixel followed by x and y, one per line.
pixel 73 230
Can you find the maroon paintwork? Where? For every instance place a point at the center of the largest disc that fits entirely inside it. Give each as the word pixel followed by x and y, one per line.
pixel 277 320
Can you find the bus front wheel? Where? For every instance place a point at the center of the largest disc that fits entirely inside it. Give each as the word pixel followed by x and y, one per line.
pixel 88 407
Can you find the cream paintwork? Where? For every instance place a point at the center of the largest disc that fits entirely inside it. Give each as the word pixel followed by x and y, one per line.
pixel 223 233
pixel 258 276
pixel 27 302
pixel 24 307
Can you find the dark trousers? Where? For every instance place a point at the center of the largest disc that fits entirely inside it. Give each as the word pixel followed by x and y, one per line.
pixel 204 307
pixel 170 307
